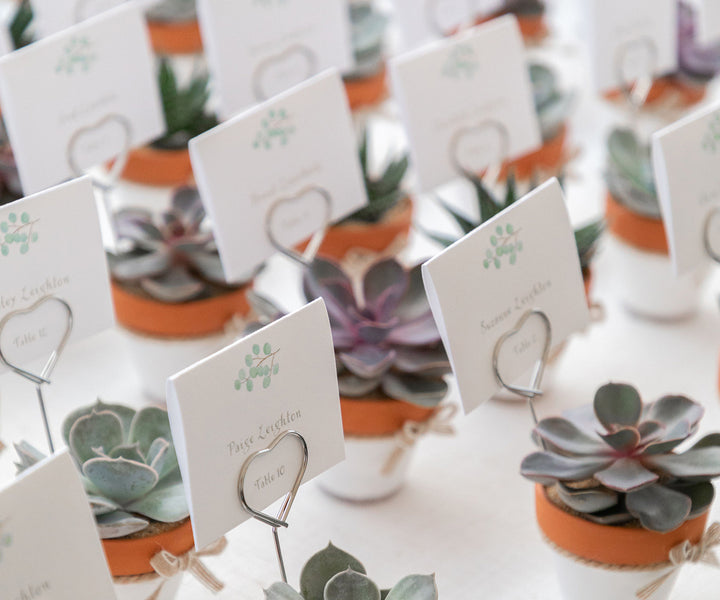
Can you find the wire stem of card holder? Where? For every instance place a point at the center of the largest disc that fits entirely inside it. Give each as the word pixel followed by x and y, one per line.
pixel 44 376
pixel 281 519
pixel 534 390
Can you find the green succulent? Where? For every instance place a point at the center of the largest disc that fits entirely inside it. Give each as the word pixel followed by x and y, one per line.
pixel 616 461
pixel 127 463
pixel 385 191
pixel 172 11
pixel 20 30
pixel 367 27
pixel 629 173
pixel 185 109
pixel 552 104
pixel 524 7
pixel 333 574
pixel 587 237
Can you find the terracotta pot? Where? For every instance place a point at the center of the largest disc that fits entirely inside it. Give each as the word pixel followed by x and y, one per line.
pixel 374 237
pixel 666 89
pixel 366 91
pixel 583 547
pixel 644 233
pixel 151 166
pixel 532 28
pixel 175 38
pixel 370 426
pixel 549 157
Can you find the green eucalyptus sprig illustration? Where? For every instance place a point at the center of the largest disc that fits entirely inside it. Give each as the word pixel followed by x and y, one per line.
pixel 78 55
pixel 276 128
pixel 504 242
pixel 6 538
pixel 461 63
pixel 19 231
pixel 259 365
pixel 711 139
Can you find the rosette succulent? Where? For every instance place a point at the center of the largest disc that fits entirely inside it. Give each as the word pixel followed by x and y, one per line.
pixel 172 258
pixel 618 460
pixel 552 104
pixel 699 63
pixel 367 27
pixel 384 191
pixel 333 574
pixel 185 108
pixel 629 173
pixel 527 8
pixel 172 11
pixel 128 466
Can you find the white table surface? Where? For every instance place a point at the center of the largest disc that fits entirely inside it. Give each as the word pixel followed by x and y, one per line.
pixel 465 512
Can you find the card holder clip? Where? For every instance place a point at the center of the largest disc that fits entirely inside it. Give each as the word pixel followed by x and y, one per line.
pixel 308 62
pixel 432 17
pixel 636 91
pixel 709 245
pixel 282 515
pixel 492 173
pixel 44 376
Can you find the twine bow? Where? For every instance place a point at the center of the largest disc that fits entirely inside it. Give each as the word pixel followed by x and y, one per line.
pixel 439 422
pixel 685 553
pixel 168 565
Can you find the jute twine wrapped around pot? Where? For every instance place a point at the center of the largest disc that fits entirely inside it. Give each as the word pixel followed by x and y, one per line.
pixel 167 565
pixel 680 555
pixel 440 422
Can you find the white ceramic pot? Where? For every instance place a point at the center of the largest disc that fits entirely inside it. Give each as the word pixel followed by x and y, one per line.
pixel 360 477
pixel 127 589
pixel 157 358
pixel 580 581
pixel 647 286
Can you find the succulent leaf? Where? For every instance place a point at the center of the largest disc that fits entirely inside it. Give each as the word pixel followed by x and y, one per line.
pixel 149 424
pixel 626 475
pixel 414 587
pixel 119 524
pixel 96 430
pixel 587 500
pixel 281 591
pixel 129 451
pixel 165 503
pixel 322 567
pixel 617 405
pixel 422 391
pixel 703 462
pixel 351 585
pixel 567 437
pixel 543 465
pixel 119 479
pixel 659 508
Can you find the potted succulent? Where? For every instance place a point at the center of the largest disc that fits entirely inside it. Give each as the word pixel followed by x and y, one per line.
pixel 169 291
pixel 587 237
pixel 697 65
pixel 383 225
pixel 530 15
pixel 132 479
pixel 174 27
pixel 365 84
pixel 333 574
pixel 615 498
pixel 10 188
pixel 643 271
pixel 166 161
pixel 390 363
pixel 553 106
pixel 20 30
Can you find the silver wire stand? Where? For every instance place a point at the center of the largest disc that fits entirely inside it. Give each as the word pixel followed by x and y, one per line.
pixel 534 390
pixel 44 377
pixel 636 92
pixel 306 258
pixel 492 173
pixel 431 17
pixel 707 242
pixel 281 519
pixel 258 88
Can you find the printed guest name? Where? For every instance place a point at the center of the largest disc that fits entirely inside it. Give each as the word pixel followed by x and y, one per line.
pixel 264 433
pixel 33 591
pixel 522 303
pixel 32 293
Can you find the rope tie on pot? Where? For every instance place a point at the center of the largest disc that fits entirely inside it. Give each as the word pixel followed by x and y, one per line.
pixel 685 553
pixel 440 422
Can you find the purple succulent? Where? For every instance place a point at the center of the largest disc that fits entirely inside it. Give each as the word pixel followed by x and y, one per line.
pixel 173 258
pixel 621 464
pixel 385 336
pixel 696 61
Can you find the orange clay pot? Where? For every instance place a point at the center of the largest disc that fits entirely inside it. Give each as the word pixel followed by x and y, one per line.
pixel 610 545
pixel 366 91
pixel 371 417
pixel 587 282
pixel 636 230
pixel 532 29
pixel 126 557
pixel 175 38
pixel 665 88
pixel 184 320
pixel 150 166
pixel 549 157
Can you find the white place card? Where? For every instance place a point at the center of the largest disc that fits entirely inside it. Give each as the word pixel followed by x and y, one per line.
pixel 707 24
pixel 277 171
pixel 428 20
pixel 258 49
pixel 467 101
pixel 525 258
pixel 238 401
pixel 50 554
pixel 51 16
pixel 51 248
pixel 93 93
pixel 685 162
pixel 631 38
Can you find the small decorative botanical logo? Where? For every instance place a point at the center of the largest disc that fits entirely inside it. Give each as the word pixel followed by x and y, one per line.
pixel 6 538
pixel 711 139
pixel 504 242
pixel 462 63
pixel 276 128
pixel 77 56
pixel 18 231
pixel 258 365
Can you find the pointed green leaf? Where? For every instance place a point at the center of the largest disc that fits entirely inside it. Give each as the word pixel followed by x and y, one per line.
pixel 101 430
pixel 415 587
pixel 323 566
pixel 351 585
